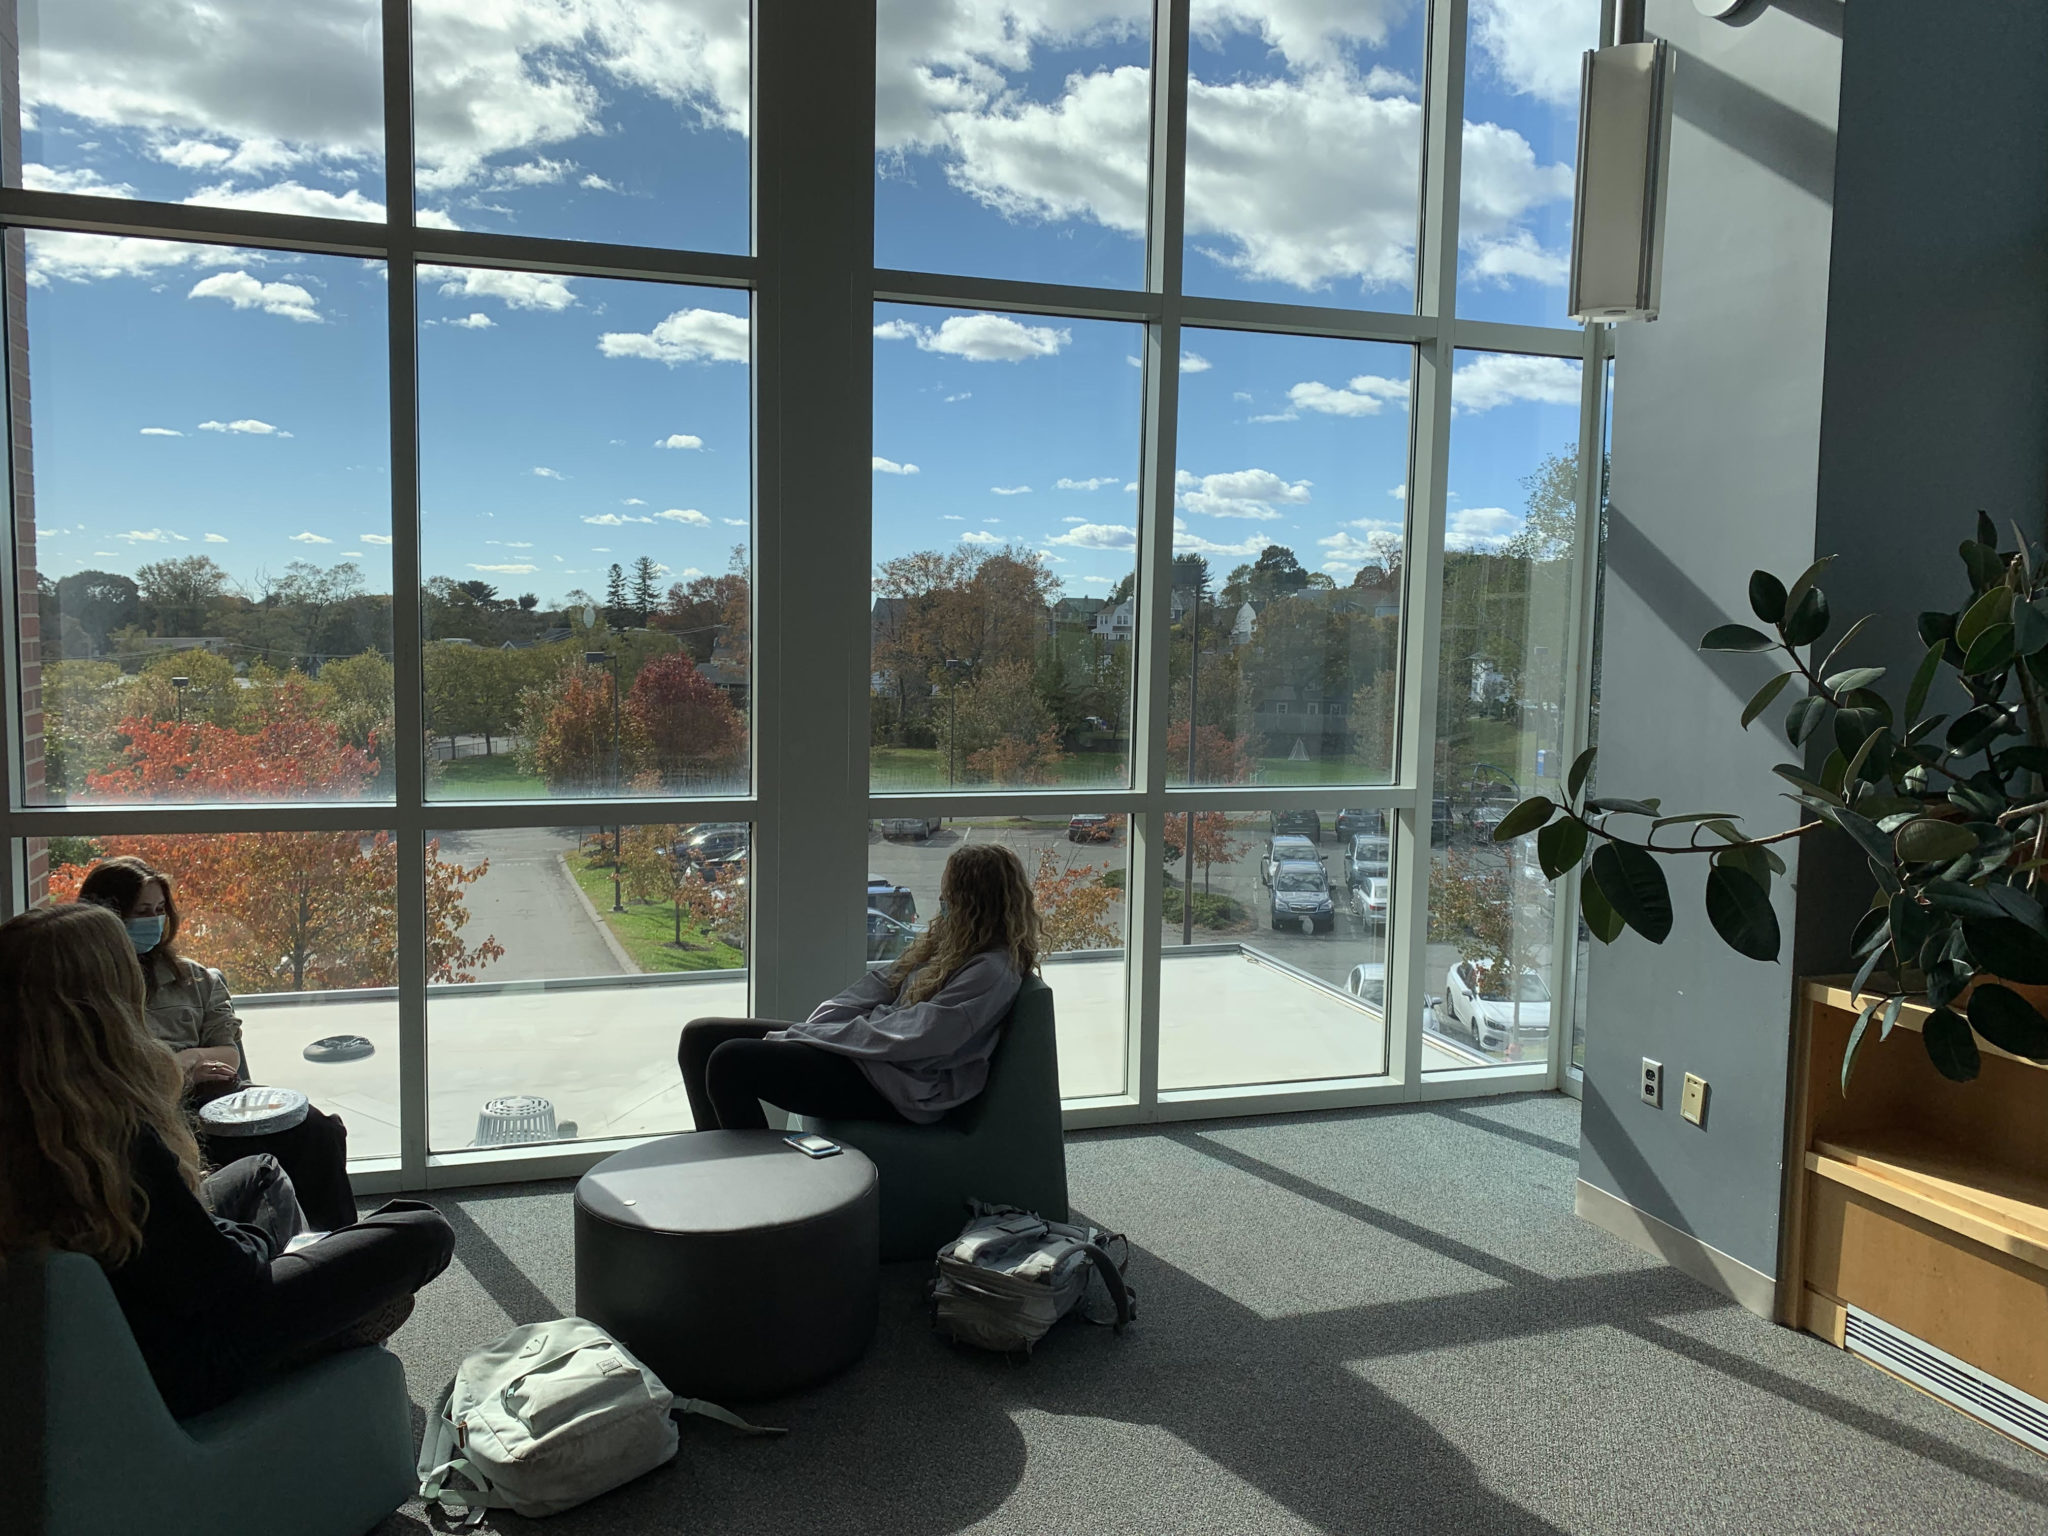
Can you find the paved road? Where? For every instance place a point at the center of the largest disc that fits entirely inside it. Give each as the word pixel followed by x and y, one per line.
pixel 525 902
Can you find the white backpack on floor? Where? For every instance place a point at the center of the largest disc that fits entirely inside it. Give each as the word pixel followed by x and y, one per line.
pixel 549 1416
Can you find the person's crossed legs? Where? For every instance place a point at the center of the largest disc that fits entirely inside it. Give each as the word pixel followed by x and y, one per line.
pixel 729 1070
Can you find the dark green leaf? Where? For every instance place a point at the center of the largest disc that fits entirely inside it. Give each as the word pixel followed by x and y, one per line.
pixel 2029 628
pixel 1689 816
pixel 1935 628
pixel 1976 802
pixel 1766 596
pixel 1524 818
pixel 1990 651
pixel 1891 1017
pixel 1855 677
pixel 1922 728
pixel 1945 981
pixel 1963 900
pixel 1986 569
pixel 1987 530
pixel 1804 718
pixel 1618 807
pixel 1863 830
pixel 1736 637
pixel 2009 1022
pixel 1748 858
pixel 1869 965
pixel 1910 922
pixel 1792 775
pixel 1836 649
pixel 1560 846
pixel 2033 759
pixel 1886 878
pixel 2008 949
pixel 1869 932
pixel 1862 755
pixel 2019 906
pixel 1633 883
pixel 1923 679
pixel 1602 921
pixel 1771 858
pixel 1807 577
pixel 1725 829
pixel 1808 620
pixel 1834 771
pixel 1740 911
pixel 1855 1044
pixel 1950 1045
pixel 1925 840
pixel 1581 766
pixel 1761 699
pixel 1994 607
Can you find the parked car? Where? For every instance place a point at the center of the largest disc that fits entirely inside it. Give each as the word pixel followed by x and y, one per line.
pixel 1481 1006
pixel 891 899
pixel 887 938
pixel 1301 896
pixel 1368 983
pixel 713 845
pixel 920 828
pixel 1280 849
pixel 1351 823
pixel 1487 815
pixel 1091 829
pixel 1308 824
pixel 1369 902
pixel 1366 858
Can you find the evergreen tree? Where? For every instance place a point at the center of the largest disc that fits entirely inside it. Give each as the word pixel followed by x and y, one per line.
pixel 617 608
pixel 646 587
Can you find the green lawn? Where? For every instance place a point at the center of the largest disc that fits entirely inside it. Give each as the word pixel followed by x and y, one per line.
pixel 647 932
pixel 897 770
pixel 497 777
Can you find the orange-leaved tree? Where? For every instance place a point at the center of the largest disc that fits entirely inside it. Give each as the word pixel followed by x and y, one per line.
pixel 281 911
pixel 577 739
pixel 1212 839
pixel 1077 909
pixel 693 730
pixel 1219 758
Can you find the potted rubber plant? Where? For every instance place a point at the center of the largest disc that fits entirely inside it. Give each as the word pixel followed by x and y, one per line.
pixel 1946 803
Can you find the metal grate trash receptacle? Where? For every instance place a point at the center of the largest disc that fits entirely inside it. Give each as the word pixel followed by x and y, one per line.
pixel 515 1118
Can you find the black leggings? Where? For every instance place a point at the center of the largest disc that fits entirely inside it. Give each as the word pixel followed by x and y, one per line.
pixel 314 1152
pixel 323 1291
pixel 728 1069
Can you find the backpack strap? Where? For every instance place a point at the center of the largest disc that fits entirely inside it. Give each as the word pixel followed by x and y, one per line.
pixel 697 1405
pixel 1113 1281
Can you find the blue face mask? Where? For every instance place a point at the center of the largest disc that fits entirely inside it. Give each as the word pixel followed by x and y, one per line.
pixel 145 933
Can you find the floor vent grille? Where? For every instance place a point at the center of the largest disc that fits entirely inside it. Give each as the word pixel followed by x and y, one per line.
pixel 1998 1404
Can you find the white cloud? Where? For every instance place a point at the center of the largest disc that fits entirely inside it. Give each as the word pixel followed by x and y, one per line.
pixel 965 394
pixel 1248 493
pixel 1241 397
pixel 615 519
pixel 374 538
pixel 679 440
pixel 980 338
pixel 1533 46
pixel 1194 362
pixel 596 183
pixel 309 537
pixel 81 181
pixel 1399 492
pixel 1365 395
pixel 247 426
pixel 1518 257
pixel 515 290
pixel 543 472
pixel 475 321
pixel 991 519
pixel 245 292
pixel 291 197
pixel 1098 536
pixel 351 554
pixel 507 570
pixel 1073 519
pixel 1010 490
pixel 632 501
pixel 152 536
pixel 1480 528
pixel 1092 483
pixel 884 466
pixel 951 517
pixel 1366 551
pixel 216 538
pixel 687 336
pixel 976 536
pixel 689 515
pixel 1504 378
pixel 1185 542
pixel 161 432
pixel 735 522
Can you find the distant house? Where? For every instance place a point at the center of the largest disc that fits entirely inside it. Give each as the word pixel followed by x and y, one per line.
pixel 1074 613
pixel 553 636
pixel 1115 623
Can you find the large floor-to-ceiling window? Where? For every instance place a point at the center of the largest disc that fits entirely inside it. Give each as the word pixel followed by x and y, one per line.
pixel 541 533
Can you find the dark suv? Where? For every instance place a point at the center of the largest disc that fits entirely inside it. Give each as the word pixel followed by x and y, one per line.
pixel 1308 824
pixel 1351 823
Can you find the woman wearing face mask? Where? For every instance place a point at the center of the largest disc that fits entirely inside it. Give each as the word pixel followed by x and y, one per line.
pixel 190 1012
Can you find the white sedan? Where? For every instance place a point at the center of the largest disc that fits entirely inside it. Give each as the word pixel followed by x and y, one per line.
pixel 1369 902
pixel 1496 1018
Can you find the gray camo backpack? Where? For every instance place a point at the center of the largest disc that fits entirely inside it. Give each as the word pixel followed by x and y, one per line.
pixel 1010 1275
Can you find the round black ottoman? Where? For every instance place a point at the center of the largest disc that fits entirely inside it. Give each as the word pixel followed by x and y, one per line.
pixel 734 1266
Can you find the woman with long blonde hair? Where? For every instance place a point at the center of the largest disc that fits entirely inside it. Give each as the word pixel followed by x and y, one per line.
pixel 99 1160
pixel 909 1041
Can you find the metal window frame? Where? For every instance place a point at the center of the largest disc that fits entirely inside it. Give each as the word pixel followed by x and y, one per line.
pixel 811 377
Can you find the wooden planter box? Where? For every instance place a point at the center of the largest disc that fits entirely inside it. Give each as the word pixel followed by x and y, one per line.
pixel 1918 1200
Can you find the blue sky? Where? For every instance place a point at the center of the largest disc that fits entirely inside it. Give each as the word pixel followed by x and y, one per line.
pixel 190 399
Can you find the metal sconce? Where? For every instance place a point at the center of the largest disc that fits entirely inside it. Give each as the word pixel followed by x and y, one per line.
pixel 1624 158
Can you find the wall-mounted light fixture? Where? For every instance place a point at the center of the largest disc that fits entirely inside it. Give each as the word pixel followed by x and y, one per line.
pixel 1624 156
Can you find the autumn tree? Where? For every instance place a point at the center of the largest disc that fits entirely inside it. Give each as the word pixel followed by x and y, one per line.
pixel 1219 758
pixel 695 734
pixel 281 911
pixel 355 695
pixel 180 593
pixel 574 735
pixel 1471 905
pixel 1213 843
pixel 997 726
pixel 973 606
pixel 1077 909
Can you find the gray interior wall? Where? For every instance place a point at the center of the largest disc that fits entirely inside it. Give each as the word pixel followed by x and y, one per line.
pixel 1853 358
pixel 1717 415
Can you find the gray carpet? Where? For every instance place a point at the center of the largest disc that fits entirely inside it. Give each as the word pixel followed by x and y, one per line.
pixel 1383 1320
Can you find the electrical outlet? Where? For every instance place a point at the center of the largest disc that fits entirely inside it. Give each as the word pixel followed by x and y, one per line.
pixel 1653 1083
pixel 1694 1103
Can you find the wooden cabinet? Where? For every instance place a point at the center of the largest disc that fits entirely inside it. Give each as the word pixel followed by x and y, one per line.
pixel 1919 1200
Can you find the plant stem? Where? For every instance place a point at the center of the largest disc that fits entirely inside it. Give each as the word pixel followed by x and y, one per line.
pixel 1654 847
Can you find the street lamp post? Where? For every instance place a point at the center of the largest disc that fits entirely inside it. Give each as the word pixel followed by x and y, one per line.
pixel 1187 863
pixel 610 659
pixel 181 684
pixel 954 668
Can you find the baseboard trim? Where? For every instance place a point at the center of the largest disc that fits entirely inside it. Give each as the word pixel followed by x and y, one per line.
pixel 1750 1288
